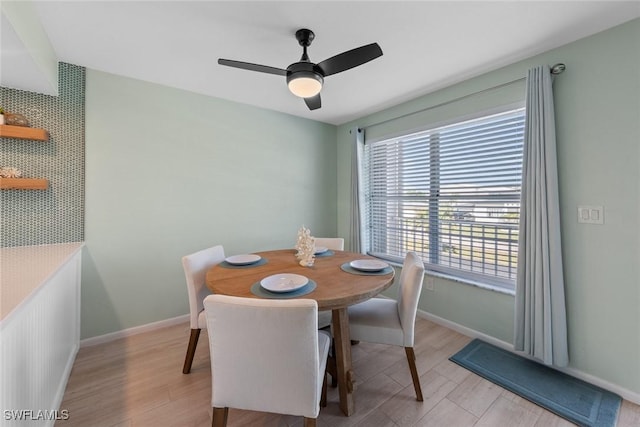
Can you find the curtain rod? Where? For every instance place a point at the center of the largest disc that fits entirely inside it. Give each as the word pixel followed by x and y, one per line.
pixel 555 70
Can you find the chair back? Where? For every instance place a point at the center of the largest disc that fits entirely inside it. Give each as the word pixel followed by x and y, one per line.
pixel 264 354
pixel 411 279
pixel 195 270
pixel 335 243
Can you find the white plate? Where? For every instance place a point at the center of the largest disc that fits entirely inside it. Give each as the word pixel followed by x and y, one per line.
pixel 243 259
pixel 368 265
pixel 284 282
pixel 320 250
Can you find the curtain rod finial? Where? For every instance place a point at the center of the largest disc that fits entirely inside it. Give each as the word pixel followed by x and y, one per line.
pixel 558 68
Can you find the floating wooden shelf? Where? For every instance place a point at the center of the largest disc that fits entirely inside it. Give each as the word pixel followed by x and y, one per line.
pixel 22 132
pixel 23 184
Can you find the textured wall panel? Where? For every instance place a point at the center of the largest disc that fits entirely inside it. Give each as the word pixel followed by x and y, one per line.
pixel 55 215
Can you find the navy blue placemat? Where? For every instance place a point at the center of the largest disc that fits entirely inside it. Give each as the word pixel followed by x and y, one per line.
pixel 571 398
pixel 347 268
pixel 328 252
pixel 259 291
pixel 225 264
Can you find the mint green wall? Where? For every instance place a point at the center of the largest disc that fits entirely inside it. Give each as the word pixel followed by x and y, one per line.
pixel 598 136
pixel 169 172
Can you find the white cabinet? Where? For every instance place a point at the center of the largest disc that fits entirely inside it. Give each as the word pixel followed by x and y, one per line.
pixel 39 331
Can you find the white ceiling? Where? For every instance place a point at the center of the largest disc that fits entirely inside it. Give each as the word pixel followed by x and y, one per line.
pixel 427 45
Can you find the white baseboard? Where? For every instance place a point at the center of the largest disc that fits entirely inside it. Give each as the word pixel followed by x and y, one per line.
pixel 614 388
pixel 464 330
pixel 101 339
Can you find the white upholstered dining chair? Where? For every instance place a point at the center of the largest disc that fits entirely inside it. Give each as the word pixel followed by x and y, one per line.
pixel 392 322
pixel 266 355
pixel 195 269
pixel 333 243
pixel 324 317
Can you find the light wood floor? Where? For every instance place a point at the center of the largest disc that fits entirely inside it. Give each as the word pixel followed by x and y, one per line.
pixel 138 381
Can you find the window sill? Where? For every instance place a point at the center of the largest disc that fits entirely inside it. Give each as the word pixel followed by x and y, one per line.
pixel 481 285
pixel 486 286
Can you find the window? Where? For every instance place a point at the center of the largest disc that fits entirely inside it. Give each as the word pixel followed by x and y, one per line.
pixel 451 194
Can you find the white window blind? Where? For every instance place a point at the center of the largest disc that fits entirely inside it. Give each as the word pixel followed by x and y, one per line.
pixel 452 194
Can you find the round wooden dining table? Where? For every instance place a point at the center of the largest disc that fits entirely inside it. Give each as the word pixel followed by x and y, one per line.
pixel 335 290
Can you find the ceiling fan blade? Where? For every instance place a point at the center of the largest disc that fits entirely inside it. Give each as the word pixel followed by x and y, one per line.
pixel 252 67
pixel 314 102
pixel 349 59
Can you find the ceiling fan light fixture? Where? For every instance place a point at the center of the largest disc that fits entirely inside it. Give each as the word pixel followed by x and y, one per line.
pixel 305 78
pixel 305 84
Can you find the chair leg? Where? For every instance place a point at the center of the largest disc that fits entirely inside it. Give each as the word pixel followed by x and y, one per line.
pixel 323 396
pixel 309 422
pixel 219 418
pixel 411 358
pixel 191 350
pixel 332 369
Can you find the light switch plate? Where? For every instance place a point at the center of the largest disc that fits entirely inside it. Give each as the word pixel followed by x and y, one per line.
pixel 591 214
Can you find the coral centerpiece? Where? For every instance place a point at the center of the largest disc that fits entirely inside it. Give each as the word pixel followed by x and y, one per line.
pixel 305 247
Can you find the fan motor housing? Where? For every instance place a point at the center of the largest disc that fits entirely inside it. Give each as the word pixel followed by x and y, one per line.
pixel 304 69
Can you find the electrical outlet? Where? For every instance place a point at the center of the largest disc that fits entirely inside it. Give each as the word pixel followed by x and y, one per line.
pixel 429 283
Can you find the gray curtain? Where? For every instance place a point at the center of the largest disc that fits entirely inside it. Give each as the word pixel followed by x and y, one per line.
pixel 540 317
pixel 356 234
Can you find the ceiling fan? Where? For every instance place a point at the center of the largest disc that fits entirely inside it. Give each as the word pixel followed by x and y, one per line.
pixel 304 78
